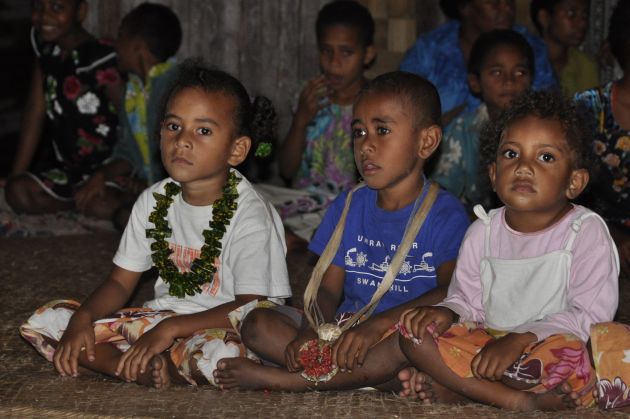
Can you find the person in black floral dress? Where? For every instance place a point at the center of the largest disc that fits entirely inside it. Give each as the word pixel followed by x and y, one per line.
pixel 69 111
pixel 609 105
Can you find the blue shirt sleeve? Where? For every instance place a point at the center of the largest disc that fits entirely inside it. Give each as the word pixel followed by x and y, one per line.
pixel 448 227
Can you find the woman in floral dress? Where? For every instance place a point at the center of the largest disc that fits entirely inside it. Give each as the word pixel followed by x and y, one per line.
pixel 74 84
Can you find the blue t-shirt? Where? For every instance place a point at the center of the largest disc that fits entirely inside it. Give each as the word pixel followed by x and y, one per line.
pixel 371 237
pixel 437 56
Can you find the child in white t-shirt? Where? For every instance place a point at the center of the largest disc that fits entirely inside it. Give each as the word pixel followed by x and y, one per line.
pixel 216 243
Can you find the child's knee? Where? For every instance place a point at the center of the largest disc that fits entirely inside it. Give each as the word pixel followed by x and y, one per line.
pixel 252 324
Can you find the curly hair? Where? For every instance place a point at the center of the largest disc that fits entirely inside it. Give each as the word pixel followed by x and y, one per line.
pixel 254 118
pixel 549 105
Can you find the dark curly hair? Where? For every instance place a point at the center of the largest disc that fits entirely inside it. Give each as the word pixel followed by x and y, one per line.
pixel 254 118
pixel 549 105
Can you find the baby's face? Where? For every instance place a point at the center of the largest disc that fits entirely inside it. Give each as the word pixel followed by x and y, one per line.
pixel 533 169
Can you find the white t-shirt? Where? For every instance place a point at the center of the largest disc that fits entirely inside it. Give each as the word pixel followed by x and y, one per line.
pixel 253 253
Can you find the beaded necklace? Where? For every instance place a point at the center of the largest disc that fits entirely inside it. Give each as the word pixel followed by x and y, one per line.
pixel 202 269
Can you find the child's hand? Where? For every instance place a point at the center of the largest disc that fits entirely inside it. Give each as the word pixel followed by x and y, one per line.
pixel 314 97
pixel 498 355
pixel 292 351
pixel 416 320
pixel 135 360
pixel 78 337
pixel 353 345
pixel 93 188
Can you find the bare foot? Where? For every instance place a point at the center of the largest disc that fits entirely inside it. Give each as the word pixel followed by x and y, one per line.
pixel 243 373
pixel 560 398
pixel 157 374
pixel 418 385
pixel 571 399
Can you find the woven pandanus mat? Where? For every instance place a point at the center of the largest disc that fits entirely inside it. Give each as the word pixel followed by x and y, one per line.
pixel 36 270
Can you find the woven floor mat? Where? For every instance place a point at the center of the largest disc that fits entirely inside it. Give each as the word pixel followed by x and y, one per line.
pixel 36 270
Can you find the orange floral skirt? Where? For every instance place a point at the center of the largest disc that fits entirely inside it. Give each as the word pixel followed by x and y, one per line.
pixel 610 343
pixel 544 364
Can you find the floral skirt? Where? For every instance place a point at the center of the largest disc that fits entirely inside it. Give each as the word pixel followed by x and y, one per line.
pixel 544 364
pixel 125 327
pixel 611 354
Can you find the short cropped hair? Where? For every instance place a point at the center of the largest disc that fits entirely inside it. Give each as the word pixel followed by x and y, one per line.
pixel 158 26
pixel 413 91
pixel 346 13
pixel 548 105
pixel 488 41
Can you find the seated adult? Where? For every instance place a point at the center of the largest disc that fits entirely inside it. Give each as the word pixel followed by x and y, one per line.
pixel 563 24
pixel 441 54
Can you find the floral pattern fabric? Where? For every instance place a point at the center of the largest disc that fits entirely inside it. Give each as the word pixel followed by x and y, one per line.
pixel 610 343
pixel 457 169
pixel 544 365
pixel 127 325
pixel 609 194
pixel 327 167
pixel 80 121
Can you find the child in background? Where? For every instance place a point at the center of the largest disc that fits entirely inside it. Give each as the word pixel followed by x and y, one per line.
pixel 563 25
pixel 500 68
pixel 531 276
pixel 74 84
pixel 316 156
pixel 442 54
pixel 148 38
pixel 609 107
pixel 396 129
pixel 204 272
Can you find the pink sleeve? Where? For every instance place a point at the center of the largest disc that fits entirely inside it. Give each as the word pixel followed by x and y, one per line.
pixel 593 292
pixel 464 292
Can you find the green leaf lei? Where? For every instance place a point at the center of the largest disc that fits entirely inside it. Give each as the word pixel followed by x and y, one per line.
pixel 202 269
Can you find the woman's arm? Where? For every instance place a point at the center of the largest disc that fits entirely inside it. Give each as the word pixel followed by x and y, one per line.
pixel 32 123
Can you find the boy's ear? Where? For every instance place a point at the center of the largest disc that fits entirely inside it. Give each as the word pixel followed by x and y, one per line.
pixel 492 174
pixel 240 149
pixel 370 55
pixel 430 139
pixel 473 82
pixel 577 182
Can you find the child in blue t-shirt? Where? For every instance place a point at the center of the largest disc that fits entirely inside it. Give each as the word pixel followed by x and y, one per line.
pixel 395 129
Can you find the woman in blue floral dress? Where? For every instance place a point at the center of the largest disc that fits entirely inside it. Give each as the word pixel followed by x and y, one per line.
pixel 74 84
